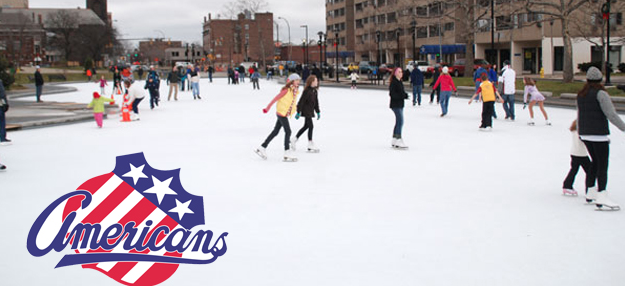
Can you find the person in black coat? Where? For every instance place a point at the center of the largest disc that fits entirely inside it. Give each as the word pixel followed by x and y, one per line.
pixel 435 76
pixel 307 107
pixel 398 95
pixel 4 107
pixel 38 83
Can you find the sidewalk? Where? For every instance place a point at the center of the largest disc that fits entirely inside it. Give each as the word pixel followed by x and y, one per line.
pixel 25 114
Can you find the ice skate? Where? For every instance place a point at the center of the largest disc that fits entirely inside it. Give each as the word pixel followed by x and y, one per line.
pixel 604 203
pixel 288 156
pixel 531 123
pixel 293 143
pixel 591 194
pixel 569 192
pixel 547 123
pixel 312 148
pixel 2 167
pixel 261 152
pixel 399 144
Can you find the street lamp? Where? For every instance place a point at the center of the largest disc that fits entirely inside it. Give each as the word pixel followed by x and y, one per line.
pixel 379 58
pixel 414 37
pixel 305 45
pixel 325 48
pixel 290 46
pixel 336 46
pixel 605 10
pixel 398 33
pixel 320 44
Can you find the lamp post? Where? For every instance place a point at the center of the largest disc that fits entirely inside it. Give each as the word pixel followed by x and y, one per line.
pixel 192 53
pixel 397 34
pixel 414 37
pixel 325 48
pixel 306 44
pixel 605 10
pixel 320 44
pixel 379 56
pixel 290 46
pixel 492 32
pixel 336 46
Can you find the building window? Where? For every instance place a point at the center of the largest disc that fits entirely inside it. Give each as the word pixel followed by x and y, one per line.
pixel 422 32
pixel 483 3
pixel 381 19
pixel 359 24
pixel 359 7
pixel 391 17
pixel 435 30
pixel 558 58
pixel 503 23
pixel 435 9
pixel 483 25
pixel 422 11
pixel 449 26
pixel 247 26
pixel 381 3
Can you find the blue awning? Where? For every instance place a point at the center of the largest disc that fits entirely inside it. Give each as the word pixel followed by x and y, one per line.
pixel 447 49
pixel 344 54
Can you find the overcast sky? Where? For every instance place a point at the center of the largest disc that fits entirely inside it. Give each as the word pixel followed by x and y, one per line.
pixel 183 20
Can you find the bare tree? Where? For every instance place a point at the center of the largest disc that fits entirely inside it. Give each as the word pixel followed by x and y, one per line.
pixel 562 10
pixel 64 25
pixel 94 40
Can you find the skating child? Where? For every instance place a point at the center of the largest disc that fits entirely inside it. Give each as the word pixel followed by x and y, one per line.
pixel 354 78
pixel 307 107
pixel 236 77
pixel 579 157
pixel 98 107
pixel 489 95
pixel 285 107
pixel 535 96
pixel 103 84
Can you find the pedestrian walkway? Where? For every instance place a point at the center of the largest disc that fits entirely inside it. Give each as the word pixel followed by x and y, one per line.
pixel 25 114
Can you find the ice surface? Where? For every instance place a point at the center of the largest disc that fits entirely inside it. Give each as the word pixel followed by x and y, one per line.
pixel 461 207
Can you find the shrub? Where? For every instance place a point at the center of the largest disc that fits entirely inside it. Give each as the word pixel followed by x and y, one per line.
pixel 585 66
pixel 621 67
pixel 7 78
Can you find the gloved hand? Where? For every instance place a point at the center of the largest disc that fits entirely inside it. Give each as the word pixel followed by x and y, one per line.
pixel 297 116
pixel 318 115
pixel 524 105
pixel 265 110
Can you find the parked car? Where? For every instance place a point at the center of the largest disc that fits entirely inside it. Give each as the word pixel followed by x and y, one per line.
pixel 430 69
pixel 458 67
pixel 423 67
pixel 365 66
pixel 386 68
pixel 344 68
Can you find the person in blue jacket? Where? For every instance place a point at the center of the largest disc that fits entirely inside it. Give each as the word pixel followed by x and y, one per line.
pixel 416 79
pixel 152 84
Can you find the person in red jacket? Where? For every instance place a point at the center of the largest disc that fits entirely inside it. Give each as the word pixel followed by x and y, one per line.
pixel 446 84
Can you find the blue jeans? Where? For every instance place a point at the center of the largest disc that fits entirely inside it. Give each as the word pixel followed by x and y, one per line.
pixel 508 105
pixel 445 95
pixel 38 89
pixel 416 94
pixel 399 121
pixel 3 125
pixel 196 89
pixel 210 76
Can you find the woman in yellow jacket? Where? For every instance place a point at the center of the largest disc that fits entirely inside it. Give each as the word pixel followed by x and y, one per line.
pixel 286 106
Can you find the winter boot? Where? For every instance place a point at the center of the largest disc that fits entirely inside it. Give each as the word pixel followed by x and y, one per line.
pixel 312 148
pixel 591 194
pixel 603 202
pixel 261 151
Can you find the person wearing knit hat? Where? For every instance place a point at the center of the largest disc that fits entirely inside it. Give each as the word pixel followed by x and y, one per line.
pixel 446 84
pixel 594 111
pixel 285 108
pixel 98 107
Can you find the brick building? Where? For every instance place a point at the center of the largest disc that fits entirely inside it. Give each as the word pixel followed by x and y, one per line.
pixel 154 50
pixel 247 38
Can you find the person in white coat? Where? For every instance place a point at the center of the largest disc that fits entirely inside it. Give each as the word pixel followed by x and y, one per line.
pixel 354 77
pixel 508 80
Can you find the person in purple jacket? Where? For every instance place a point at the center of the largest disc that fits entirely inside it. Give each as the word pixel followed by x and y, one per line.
pixel 535 97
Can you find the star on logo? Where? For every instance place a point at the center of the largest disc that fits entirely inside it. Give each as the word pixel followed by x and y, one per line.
pixel 136 173
pixel 160 189
pixel 181 209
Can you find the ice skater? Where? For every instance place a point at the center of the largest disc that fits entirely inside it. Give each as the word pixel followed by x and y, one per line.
pixel 488 94
pixel 594 110
pixel 103 84
pixel 398 95
pixel 152 84
pixel 285 107
pixel 579 158
pixel 354 77
pixel 97 103
pixel 307 107
pixel 436 91
pixel 255 78
pixel 535 96
pixel 446 85
pixel 135 95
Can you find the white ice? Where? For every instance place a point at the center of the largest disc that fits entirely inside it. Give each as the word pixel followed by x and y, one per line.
pixel 460 207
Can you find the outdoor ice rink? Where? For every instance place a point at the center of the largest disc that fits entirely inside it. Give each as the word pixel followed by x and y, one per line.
pixel 460 207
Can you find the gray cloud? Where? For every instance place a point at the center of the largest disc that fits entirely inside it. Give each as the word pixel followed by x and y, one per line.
pixel 138 19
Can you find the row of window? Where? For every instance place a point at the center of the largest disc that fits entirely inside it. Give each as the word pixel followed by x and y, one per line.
pixel 337 26
pixel 421 32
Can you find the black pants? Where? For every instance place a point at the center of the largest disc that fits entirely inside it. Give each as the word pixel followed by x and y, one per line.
pixel 135 105
pixel 283 122
pixel 576 162
pixel 255 84
pixel 154 97
pixel 308 125
pixel 487 113
pixel 438 95
pixel 599 153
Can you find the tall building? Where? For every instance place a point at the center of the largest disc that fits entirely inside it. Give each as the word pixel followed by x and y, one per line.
pixel 395 31
pixel 247 38
pixel 14 4
pixel 100 9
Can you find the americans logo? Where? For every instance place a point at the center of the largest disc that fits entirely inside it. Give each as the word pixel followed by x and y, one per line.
pixel 133 225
